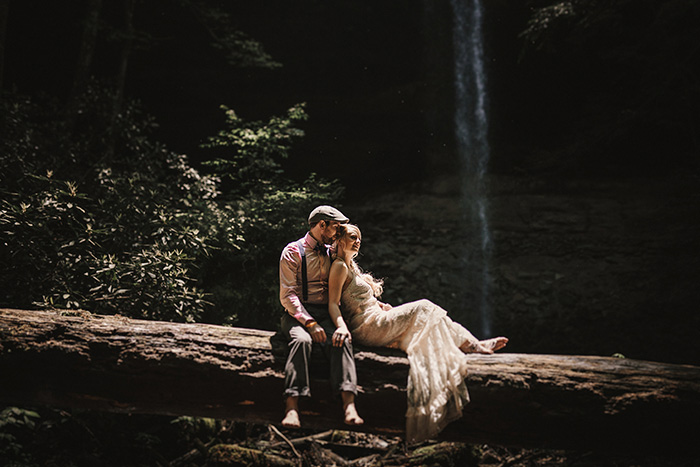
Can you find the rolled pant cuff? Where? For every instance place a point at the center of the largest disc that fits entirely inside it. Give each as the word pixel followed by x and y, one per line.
pixel 295 393
pixel 348 387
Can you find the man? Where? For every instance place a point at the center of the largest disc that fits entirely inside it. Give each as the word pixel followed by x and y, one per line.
pixel 304 268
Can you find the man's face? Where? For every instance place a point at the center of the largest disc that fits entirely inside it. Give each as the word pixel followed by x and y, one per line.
pixel 329 231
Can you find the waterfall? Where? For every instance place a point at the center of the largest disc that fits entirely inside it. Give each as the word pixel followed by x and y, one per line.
pixel 471 131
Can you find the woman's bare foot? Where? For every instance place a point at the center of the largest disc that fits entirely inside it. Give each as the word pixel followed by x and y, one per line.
pixel 351 415
pixel 291 414
pixel 492 345
pixel 469 347
pixel 487 346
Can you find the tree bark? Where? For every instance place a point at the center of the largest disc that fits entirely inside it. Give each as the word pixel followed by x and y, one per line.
pixel 120 82
pixel 75 359
pixel 87 50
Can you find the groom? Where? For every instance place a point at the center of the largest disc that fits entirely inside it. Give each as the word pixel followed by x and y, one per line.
pixel 304 268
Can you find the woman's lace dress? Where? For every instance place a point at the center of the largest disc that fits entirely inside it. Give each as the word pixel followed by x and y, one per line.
pixel 436 391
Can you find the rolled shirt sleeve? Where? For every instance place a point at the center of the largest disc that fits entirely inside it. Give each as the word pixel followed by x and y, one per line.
pixel 290 271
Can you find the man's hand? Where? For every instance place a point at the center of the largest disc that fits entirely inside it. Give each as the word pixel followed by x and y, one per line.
pixel 318 335
pixel 340 335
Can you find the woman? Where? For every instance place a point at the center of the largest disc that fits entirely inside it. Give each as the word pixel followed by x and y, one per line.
pixel 435 345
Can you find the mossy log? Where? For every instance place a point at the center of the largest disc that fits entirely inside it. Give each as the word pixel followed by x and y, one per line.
pixel 80 360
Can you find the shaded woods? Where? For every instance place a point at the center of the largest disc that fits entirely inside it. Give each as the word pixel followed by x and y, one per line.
pixel 156 156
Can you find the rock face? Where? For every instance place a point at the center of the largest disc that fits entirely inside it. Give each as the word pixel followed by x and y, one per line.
pixel 585 267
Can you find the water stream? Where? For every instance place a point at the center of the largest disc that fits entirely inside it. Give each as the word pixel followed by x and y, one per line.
pixel 471 131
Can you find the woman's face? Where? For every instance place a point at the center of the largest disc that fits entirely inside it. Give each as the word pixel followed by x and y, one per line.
pixel 352 240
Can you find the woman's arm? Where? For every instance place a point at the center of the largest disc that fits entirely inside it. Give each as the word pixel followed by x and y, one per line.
pixel 336 279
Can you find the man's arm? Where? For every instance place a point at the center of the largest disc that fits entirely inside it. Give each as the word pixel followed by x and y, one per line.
pixel 289 265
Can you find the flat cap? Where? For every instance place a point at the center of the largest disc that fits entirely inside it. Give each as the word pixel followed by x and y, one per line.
pixel 326 213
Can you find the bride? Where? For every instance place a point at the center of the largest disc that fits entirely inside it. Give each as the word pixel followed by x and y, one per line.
pixel 435 345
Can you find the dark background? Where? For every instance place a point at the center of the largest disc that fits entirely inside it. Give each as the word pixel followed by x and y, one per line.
pixel 377 76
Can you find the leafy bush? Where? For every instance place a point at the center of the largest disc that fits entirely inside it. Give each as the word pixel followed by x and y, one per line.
pixel 136 230
pixel 124 241
pixel 270 212
pixel 16 427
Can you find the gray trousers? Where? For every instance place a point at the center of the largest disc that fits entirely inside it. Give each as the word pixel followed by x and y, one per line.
pixel 343 376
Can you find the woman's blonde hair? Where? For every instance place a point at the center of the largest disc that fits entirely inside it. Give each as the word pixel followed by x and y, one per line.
pixel 343 231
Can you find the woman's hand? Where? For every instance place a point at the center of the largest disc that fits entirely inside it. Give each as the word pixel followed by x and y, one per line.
pixel 336 279
pixel 341 333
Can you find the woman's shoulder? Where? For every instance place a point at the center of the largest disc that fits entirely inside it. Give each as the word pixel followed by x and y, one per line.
pixel 339 264
pixel 342 268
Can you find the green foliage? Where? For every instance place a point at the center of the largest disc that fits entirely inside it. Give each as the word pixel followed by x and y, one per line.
pixel 239 49
pixel 445 454
pixel 270 211
pixel 190 429
pixel 126 240
pixel 547 21
pixel 139 232
pixel 16 426
pixel 46 233
pixel 64 438
pixel 256 148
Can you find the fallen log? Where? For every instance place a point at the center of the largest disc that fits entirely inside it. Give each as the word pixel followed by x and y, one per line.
pixel 79 360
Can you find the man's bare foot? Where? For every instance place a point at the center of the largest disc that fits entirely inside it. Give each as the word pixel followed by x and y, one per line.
pixel 291 414
pixel 291 419
pixel 351 415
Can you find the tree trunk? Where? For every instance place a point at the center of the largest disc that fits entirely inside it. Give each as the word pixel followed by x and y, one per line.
pixel 126 47
pixel 75 359
pixel 82 69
